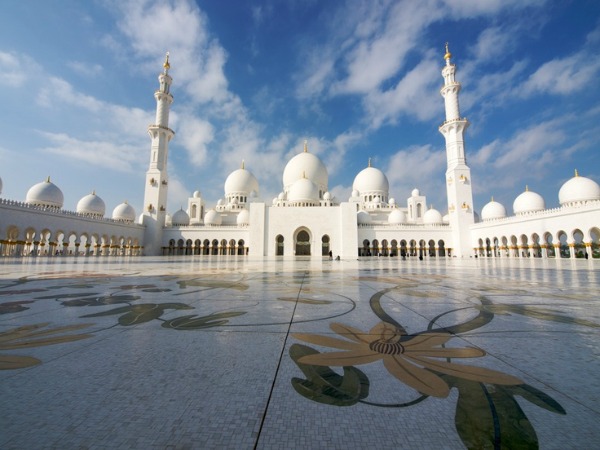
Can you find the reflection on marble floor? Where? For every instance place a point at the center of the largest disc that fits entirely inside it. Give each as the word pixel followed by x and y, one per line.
pixel 462 353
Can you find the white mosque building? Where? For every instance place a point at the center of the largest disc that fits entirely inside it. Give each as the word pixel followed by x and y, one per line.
pixel 305 219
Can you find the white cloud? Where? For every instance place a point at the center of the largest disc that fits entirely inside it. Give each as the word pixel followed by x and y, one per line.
pixel 100 154
pixel 563 76
pixel 59 91
pixel 415 94
pixel 420 167
pixel 15 68
pixel 85 69
pixel 195 135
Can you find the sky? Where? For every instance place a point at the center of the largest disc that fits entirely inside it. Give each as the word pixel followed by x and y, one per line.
pixel 252 80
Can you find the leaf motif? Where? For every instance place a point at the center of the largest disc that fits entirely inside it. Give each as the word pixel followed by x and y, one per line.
pixel 487 416
pixel 323 385
pixel 13 307
pixel 194 322
pixel 537 397
pixel 308 301
pixel 213 284
pixel 101 301
pixel 11 362
pixel 60 296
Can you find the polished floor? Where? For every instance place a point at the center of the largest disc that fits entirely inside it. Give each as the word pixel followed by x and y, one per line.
pixel 231 352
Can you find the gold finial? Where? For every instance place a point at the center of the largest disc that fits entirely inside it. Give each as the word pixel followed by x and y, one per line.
pixel 94 192
pixel 303 174
pixel 166 64
pixel 448 55
pixel 305 145
pixel 369 162
pixel 243 164
pixel 526 188
pixel 48 179
pixel 576 173
pixel 492 199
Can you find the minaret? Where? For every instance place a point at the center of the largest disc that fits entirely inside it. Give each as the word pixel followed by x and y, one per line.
pixel 458 174
pixel 155 193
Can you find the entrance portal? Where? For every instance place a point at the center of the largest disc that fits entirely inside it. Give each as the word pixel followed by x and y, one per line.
pixel 302 243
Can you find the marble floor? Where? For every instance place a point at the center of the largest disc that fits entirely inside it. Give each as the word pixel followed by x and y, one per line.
pixel 231 352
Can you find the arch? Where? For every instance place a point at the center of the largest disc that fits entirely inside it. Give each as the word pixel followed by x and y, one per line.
pixel 413 248
pixel 563 245
pixel 431 249
pixel 325 247
pixel 548 242
pixel 223 247
pixel 242 250
pixel 441 248
pixel 376 250
pixel 188 247
pixel 419 210
pixel 595 242
pixel 385 251
pixel 365 250
pixel 231 247
pixel 197 246
pixel 279 245
pixel 403 248
pixel 578 245
pixel 394 247
pixel 214 247
pixel 302 241
pixel 206 247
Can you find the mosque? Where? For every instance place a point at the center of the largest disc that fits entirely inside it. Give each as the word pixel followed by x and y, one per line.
pixel 305 219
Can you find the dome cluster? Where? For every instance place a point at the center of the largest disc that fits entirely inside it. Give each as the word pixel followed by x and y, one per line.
pixel 45 194
pixel 578 190
pixel 306 166
pixel 371 185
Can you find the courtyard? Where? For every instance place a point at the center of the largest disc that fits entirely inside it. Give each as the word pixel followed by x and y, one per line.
pixel 242 353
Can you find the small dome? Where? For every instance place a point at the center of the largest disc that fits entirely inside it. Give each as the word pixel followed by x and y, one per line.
pixel 446 219
pixel 220 202
pixel 303 190
pixel 45 193
pixel 578 189
pixel 355 193
pixel 212 218
pixel 397 217
pixel 371 180
pixel 180 218
pixel 392 201
pixel 243 218
pixel 240 181
pixel 432 217
pixel 275 200
pixel 305 165
pixel 91 204
pixel 528 201
pixel 493 210
pixel 196 194
pixel 363 217
pixel 415 192
pixel 281 196
pixel 124 212
pixel 327 196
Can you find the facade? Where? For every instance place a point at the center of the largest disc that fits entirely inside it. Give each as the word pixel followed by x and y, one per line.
pixel 305 219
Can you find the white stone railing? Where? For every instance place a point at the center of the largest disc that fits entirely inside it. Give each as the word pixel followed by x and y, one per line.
pixel 59 212
pixel 401 226
pixel 542 213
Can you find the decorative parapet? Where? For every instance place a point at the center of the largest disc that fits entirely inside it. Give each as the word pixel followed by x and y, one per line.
pixel 58 212
pixel 588 205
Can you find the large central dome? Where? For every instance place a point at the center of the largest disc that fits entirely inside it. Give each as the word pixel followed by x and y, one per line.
pixel 305 165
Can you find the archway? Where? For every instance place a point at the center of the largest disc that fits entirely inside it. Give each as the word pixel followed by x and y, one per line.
pixel 302 243
pixel 325 245
pixel 279 245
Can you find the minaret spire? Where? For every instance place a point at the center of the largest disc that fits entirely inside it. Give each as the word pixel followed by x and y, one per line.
pixel 458 174
pixel 155 195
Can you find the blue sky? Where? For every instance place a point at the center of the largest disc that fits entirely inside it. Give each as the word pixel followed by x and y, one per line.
pixel 253 79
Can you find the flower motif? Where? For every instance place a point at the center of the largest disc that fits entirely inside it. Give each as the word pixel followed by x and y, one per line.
pixel 411 359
